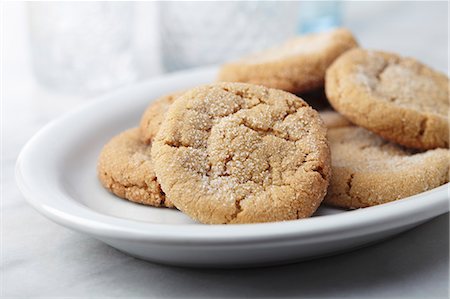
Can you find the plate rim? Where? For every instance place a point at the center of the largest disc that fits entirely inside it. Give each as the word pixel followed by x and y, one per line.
pixel 82 218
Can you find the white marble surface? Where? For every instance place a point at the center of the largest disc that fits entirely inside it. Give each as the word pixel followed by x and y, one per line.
pixel 42 259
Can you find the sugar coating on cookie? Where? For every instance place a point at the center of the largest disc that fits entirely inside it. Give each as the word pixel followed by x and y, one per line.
pixel 368 170
pixel 332 119
pixel 296 66
pixel 154 115
pixel 241 153
pixel 125 168
pixel 398 98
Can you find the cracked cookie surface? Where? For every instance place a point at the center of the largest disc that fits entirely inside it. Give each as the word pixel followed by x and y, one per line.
pixel 296 66
pixel 153 116
pixel 241 153
pixel 368 170
pixel 125 168
pixel 398 98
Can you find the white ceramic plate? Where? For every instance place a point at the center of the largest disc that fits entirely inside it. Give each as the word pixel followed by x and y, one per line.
pixel 56 172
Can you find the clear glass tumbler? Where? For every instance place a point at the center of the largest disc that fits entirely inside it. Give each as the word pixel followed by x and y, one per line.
pixel 318 16
pixel 82 47
pixel 201 33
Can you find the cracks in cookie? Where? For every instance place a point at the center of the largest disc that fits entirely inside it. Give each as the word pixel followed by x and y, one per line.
pixel 305 158
pixel 319 169
pixel 228 159
pixel 293 109
pixel 263 132
pixel 269 168
pixel 163 198
pixel 355 196
pixel 226 173
pixel 176 144
pixel 238 209
pixel 267 132
pixel 423 127
pixel 349 185
pixel 244 94
pixel 283 118
pixel 221 175
pixel 162 195
pixel 239 93
pixel 382 70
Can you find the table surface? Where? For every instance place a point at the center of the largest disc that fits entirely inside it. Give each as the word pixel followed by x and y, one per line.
pixel 40 258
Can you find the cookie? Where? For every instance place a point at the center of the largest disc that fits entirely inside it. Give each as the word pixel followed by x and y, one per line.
pixel 241 153
pixel 296 66
pixel 332 119
pixel 397 98
pixel 125 168
pixel 368 170
pixel 154 115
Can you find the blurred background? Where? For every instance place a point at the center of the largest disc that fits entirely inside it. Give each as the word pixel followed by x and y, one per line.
pixel 86 48
pixel 89 47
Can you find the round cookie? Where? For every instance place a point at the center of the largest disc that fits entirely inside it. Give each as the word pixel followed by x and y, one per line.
pixel 296 66
pixel 153 116
pixel 368 170
pixel 332 119
pixel 125 168
pixel 241 153
pixel 397 98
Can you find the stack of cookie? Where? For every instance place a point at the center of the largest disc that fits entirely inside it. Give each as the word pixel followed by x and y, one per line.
pixel 253 151
pixel 399 144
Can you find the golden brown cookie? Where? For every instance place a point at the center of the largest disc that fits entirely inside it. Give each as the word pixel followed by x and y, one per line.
pixel 154 115
pixel 368 170
pixel 398 98
pixel 125 168
pixel 241 153
pixel 296 66
pixel 332 119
